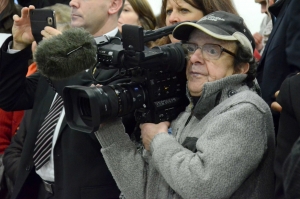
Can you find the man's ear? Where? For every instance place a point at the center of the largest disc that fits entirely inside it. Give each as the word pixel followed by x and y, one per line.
pixel 115 6
pixel 244 68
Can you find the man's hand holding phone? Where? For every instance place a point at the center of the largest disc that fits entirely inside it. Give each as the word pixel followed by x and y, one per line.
pixel 21 30
pixel 47 33
pixel 43 25
pixel 39 19
pixel 33 25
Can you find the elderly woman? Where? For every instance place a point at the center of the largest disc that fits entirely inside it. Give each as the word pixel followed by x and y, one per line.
pixel 222 145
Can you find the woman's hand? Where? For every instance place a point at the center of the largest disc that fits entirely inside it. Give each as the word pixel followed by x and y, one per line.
pixel 275 106
pixel 150 130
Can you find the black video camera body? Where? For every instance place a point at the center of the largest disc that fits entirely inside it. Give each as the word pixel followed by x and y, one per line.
pixel 156 92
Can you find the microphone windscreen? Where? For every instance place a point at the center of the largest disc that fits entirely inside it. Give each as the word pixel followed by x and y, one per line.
pixel 66 54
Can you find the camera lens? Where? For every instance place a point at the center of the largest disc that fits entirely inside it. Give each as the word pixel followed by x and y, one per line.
pixel 130 96
pixel 92 106
pixel 84 107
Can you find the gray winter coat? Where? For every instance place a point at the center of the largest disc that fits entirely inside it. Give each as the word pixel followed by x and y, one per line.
pixel 225 150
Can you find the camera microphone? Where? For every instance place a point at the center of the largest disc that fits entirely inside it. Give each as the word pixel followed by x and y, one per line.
pixel 66 54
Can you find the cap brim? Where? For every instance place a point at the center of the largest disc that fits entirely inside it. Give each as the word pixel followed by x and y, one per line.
pixel 183 31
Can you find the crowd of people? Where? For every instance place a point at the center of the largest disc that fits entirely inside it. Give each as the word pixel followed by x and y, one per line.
pixel 238 137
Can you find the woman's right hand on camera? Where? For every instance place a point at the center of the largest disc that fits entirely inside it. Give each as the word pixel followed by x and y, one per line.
pixel 150 130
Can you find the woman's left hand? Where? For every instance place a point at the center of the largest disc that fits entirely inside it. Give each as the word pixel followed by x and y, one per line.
pixel 150 130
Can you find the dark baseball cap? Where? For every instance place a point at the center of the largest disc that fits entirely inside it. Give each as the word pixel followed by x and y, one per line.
pixel 220 25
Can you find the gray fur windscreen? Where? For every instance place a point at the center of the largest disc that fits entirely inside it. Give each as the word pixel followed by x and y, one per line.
pixel 67 54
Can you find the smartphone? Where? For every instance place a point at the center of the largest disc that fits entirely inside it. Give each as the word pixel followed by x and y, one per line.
pixel 39 18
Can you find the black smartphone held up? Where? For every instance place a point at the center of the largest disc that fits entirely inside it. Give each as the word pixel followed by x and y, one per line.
pixel 40 18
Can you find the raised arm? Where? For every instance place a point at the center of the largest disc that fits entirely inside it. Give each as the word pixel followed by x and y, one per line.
pixel 16 91
pixel 123 159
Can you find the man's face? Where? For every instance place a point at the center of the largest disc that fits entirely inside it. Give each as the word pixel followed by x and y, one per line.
pixel 89 14
pixel 200 69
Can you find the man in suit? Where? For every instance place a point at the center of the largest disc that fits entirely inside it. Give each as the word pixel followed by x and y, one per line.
pixel 292 173
pixel 289 132
pixel 279 60
pixel 281 53
pixel 287 160
pixel 76 168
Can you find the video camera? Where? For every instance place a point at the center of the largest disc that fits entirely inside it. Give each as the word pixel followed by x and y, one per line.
pixel 156 91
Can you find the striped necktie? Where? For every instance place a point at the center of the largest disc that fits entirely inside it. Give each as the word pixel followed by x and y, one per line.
pixel 43 144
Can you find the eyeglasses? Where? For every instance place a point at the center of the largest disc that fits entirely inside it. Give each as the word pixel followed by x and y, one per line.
pixel 209 51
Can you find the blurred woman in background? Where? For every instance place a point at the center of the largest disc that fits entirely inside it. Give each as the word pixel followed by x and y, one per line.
pixel 137 12
pixel 175 11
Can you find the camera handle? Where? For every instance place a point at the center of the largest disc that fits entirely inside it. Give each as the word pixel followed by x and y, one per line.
pixel 136 137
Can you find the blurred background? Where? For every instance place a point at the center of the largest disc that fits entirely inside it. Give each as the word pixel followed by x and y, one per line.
pixel 247 9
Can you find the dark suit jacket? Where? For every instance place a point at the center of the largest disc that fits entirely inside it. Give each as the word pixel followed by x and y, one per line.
pixel 281 54
pixel 289 126
pixel 292 173
pixel 80 170
pixel 280 59
pixel 12 155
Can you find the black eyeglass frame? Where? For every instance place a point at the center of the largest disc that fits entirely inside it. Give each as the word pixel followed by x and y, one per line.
pixel 200 47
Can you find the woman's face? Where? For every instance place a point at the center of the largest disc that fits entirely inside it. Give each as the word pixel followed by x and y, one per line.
pixel 178 11
pixel 201 70
pixel 128 16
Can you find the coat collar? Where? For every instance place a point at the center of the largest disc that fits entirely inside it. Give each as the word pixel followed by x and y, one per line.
pixel 217 91
pixel 276 7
